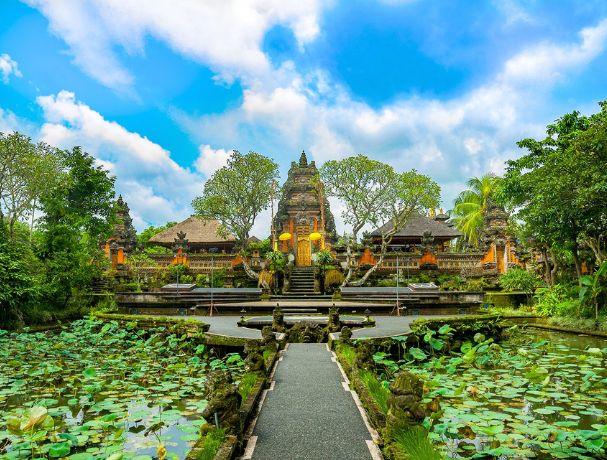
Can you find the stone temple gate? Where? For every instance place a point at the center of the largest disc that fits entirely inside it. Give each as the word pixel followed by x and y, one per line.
pixel 303 209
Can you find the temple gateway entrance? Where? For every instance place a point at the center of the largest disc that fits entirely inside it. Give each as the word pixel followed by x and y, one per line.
pixel 303 250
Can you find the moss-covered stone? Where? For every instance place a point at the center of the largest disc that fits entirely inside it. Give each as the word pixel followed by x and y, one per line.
pixel 334 324
pixel 254 356
pixel 346 335
pixel 278 320
pixel 405 408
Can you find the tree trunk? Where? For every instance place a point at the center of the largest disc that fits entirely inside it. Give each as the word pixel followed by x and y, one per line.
pixel 554 268
pixel 578 267
pixel 248 270
pixel 546 268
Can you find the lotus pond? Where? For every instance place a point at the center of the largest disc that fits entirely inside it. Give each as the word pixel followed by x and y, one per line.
pixel 540 395
pixel 97 390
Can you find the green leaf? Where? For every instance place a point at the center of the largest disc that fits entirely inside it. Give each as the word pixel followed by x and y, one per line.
pixel 60 449
pixel 89 373
pixel 418 353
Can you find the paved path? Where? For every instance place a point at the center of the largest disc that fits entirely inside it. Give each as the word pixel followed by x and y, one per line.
pixel 227 325
pixel 309 414
pixel 385 326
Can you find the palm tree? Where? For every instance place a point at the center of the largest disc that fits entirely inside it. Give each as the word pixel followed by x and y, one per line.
pixel 470 206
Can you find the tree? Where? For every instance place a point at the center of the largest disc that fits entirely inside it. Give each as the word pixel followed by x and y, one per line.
pixel 77 216
pixel 471 205
pixel 237 193
pixel 558 188
pixel 373 193
pixel 19 284
pixel 144 237
pixel 26 170
pixel 593 287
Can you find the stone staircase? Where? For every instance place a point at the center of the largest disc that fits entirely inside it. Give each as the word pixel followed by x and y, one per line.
pixel 302 283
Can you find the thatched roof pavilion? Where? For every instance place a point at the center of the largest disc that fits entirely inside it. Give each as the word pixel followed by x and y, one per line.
pixel 201 234
pixel 413 232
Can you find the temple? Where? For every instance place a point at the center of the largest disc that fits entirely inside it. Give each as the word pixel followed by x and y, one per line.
pixel 304 224
pixel 303 210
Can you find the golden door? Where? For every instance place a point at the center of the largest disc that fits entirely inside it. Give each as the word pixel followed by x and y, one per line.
pixel 304 250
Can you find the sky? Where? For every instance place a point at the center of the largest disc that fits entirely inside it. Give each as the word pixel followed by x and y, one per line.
pixel 161 92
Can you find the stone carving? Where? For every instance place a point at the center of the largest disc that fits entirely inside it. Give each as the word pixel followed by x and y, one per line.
pixel 278 320
pixel 216 379
pixel 268 337
pixel 254 361
pixel 225 402
pixel 307 332
pixel 405 408
pixel 346 335
pixel 334 324
pixel 364 356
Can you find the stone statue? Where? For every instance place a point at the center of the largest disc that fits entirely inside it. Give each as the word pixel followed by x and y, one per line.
pixel 405 408
pixel 333 324
pixel 254 361
pixel 268 337
pixel 364 356
pixel 225 402
pixel 346 335
pixel 278 320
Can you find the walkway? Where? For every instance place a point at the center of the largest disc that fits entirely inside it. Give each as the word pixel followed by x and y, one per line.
pixel 385 326
pixel 227 325
pixel 309 414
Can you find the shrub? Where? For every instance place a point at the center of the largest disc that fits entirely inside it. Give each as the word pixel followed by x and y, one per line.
pixel 333 279
pixel 476 284
pixel 557 300
pixel 518 279
pixel 202 280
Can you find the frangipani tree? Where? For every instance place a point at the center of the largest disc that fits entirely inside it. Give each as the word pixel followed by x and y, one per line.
pixel 237 193
pixel 374 194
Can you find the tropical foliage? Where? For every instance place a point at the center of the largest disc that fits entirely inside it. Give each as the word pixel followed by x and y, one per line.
pixel 470 206
pixel 47 266
pixel 375 194
pixel 238 192
pixel 94 390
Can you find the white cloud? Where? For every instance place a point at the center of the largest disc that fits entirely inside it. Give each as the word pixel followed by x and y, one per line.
pixel 156 187
pixel 450 140
pixel 547 62
pixel 513 12
pixel 226 34
pixel 210 160
pixel 8 67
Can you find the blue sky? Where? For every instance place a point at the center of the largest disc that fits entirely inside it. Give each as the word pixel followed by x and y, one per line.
pixel 160 92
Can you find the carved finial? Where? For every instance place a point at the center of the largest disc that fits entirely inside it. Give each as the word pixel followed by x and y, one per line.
pixel 303 160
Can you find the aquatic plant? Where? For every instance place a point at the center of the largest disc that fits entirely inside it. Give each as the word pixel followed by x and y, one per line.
pixel 97 389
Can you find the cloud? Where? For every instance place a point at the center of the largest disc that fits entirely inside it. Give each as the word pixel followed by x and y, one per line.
pixel 155 186
pixel 210 160
pixel 450 140
pixel 8 67
pixel 547 62
pixel 227 35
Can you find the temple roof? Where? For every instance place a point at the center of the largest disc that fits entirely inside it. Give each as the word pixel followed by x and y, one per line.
pixel 197 230
pixel 416 227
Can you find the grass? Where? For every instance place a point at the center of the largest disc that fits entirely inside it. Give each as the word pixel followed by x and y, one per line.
pixel 414 442
pixel 506 311
pixel 376 389
pixel 348 353
pixel 246 385
pixel 211 444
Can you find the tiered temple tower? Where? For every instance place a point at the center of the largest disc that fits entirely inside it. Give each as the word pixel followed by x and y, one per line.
pixel 303 209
